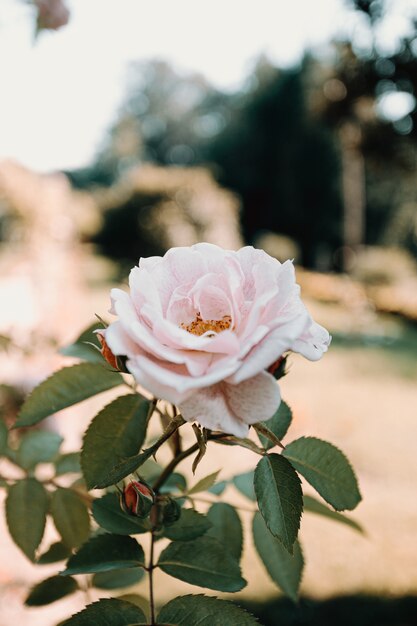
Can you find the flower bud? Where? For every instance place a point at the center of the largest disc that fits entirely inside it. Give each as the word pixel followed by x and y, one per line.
pixel 116 362
pixel 171 511
pixel 277 369
pixel 137 499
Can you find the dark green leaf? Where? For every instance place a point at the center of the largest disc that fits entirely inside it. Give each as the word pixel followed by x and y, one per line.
pixel 108 612
pixel 314 506
pixel 104 553
pixel 205 483
pixel 175 482
pixel 4 434
pixel 190 526
pixel 65 388
pixel 202 562
pixel 56 552
pixel 68 464
pixel 285 569
pixel 109 515
pixel 218 488
pixel 279 424
pixel 38 446
pixel 278 491
pixel 327 469
pixel 118 578
pixel 26 508
pixel 118 431
pixel 244 484
pixel 82 348
pixel 226 527
pixel 124 468
pixel 71 517
pixel 50 590
pixel 204 611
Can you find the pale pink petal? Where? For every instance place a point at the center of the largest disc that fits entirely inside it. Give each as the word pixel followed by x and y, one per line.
pixel 209 408
pixel 176 377
pixel 313 343
pixel 119 341
pixel 143 290
pixel 270 348
pixel 255 399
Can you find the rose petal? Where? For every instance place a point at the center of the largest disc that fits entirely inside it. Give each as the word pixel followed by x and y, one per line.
pixel 254 400
pixel 313 343
pixel 209 408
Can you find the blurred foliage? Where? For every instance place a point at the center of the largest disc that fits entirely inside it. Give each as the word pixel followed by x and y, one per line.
pixel 280 142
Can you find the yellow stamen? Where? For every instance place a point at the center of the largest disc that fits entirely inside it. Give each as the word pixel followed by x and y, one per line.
pixel 199 326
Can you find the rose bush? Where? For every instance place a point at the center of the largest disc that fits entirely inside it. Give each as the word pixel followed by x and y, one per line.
pixel 201 325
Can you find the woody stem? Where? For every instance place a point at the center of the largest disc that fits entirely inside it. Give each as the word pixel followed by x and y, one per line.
pixel 151 567
pixel 180 457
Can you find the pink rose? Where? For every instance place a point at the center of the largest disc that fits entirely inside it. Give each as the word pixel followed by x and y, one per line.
pixel 201 325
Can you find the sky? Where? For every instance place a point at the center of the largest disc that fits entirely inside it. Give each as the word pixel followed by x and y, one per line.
pixel 60 93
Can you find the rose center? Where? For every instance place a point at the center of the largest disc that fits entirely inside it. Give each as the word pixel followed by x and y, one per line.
pixel 199 326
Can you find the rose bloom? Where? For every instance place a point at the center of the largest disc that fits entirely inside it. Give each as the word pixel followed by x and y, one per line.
pixel 201 326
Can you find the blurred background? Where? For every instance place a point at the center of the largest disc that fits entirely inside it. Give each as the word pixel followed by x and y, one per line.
pixel 129 127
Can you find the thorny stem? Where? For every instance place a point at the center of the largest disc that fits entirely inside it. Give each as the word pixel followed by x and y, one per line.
pixel 180 457
pixel 150 568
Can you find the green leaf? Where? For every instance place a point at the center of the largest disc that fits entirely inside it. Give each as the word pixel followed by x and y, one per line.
pixel 123 469
pixel 56 552
pixel 132 463
pixel 327 469
pixel 311 505
pixel 108 612
pixel 244 484
pixel 118 578
pixel 38 446
pixel 137 600
pixel 65 388
pixel 202 562
pixel 71 517
pixel 279 424
pixel 26 508
pixel 50 590
pixel 280 500
pixel 4 435
pixel 218 488
pixel 285 569
pixel 190 526
pixel 204 611
pixel 204 483
pixel 226 527
pixel 118 431
pixel 68 464
pixel 82 348
pixel 109 515
pixel 104 553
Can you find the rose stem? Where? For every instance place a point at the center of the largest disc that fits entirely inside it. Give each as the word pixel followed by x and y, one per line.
pixel 151 567
pixel 180 457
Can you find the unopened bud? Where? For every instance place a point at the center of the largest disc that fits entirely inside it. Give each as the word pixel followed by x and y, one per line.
pixel 137 499
pixel 116 362
pixel 277 369
pixel 171 511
